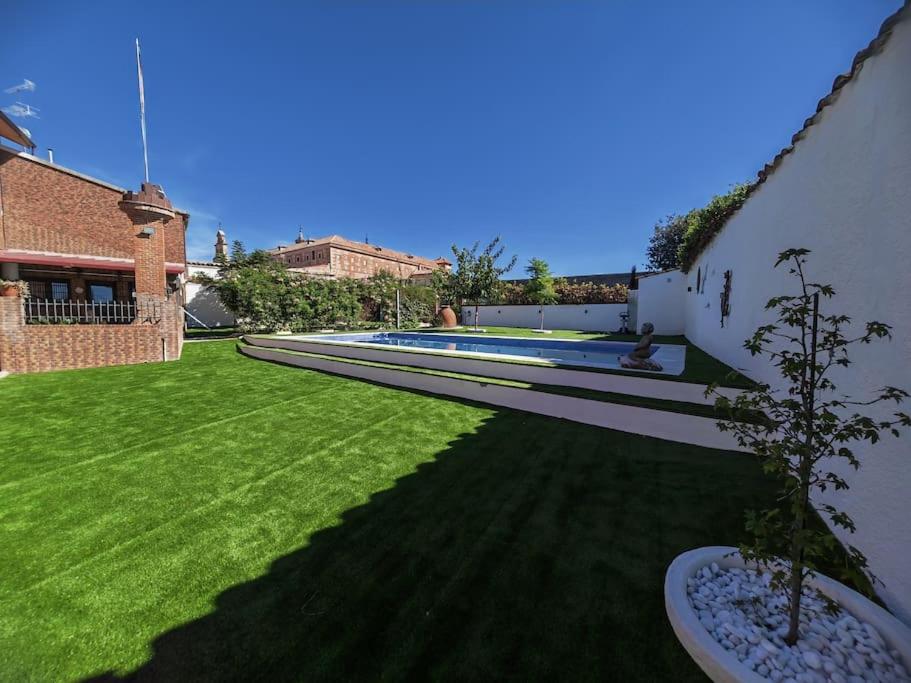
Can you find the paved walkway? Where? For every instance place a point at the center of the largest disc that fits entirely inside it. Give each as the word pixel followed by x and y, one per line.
pixel 679 427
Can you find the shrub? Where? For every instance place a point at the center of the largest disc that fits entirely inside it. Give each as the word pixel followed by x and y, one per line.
pixel 703 224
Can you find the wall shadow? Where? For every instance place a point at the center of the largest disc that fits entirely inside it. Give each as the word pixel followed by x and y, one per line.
pixel 533 548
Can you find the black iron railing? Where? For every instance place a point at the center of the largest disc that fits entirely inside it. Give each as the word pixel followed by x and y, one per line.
pixel 67 312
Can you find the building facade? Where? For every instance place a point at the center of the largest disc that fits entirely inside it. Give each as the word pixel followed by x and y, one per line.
pixel 336 256
pixel 102 265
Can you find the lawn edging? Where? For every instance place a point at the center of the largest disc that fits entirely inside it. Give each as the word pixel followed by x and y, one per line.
pixel 533 373
pixel 670 426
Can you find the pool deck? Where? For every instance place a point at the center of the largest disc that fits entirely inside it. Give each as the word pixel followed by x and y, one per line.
pixel 679 427
pixel 486 365
pixel 671 356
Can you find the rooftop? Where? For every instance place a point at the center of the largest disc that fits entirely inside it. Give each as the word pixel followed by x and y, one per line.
pixel 362 248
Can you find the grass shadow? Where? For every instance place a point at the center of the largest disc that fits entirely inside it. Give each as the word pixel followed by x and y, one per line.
pixel 532 548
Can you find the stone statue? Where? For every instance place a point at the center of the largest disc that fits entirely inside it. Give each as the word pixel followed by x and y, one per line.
pixel 640 357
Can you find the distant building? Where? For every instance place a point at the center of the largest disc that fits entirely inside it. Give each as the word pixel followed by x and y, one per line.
pixel 335 256
pixel 203 307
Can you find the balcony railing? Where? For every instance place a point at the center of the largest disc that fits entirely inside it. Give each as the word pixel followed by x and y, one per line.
pixel 66 312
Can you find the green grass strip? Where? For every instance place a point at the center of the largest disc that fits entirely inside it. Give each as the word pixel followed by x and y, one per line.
pixel 687 408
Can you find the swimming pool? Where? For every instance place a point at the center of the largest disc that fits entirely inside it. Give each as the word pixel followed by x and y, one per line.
pixel 598 354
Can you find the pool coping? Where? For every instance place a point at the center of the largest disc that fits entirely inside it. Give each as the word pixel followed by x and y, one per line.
pixel 505 357
pixel 533 373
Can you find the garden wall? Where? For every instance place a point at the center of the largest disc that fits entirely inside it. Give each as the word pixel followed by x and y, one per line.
pixel 845 193
pixel 659 300
pixel 592 317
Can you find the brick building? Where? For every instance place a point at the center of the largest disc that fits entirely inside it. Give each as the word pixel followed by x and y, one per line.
pixel 336 256
pixel 102 264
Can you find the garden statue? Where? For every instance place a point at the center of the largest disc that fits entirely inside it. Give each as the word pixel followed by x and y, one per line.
pixel 640 357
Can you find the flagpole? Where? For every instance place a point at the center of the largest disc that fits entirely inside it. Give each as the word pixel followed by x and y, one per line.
pixel 142 112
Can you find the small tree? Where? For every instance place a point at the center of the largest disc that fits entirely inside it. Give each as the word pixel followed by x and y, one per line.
pixel 664 245
pixel 807 424
pixel 539 289
pixel 476 277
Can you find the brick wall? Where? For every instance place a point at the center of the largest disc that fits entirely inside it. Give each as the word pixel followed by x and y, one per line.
pixel 342 262
pixel 40 348
pixel 47 209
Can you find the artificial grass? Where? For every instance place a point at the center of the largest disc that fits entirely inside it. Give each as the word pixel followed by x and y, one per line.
pixel 223 518
pixel 699 409
pixel 211 332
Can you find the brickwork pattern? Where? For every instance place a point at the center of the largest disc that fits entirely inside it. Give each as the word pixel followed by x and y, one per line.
pixel 341 262
pixel 41 348
pixel 46 209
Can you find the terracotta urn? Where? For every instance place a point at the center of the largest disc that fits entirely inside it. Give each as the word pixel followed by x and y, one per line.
pixel 448 316
pixel 9 290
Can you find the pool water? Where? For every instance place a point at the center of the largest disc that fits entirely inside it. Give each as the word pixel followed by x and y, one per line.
pixel 602 354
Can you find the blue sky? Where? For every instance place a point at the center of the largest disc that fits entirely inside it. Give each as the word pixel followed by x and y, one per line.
pixel 568 128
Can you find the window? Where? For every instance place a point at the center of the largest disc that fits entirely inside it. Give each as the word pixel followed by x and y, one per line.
pixel 59 290
pixel 101 291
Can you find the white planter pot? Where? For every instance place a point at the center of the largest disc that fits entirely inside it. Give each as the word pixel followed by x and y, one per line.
pixel 721 665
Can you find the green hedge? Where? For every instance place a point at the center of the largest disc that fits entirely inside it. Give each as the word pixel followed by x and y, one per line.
pixel 703 224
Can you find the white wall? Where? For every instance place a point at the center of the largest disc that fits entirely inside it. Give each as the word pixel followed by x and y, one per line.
pixel 845 193
pixel 203 303
pixel 660 302
pixel 593 317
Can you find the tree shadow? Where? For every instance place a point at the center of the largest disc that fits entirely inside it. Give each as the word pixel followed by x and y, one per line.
pixel 533 548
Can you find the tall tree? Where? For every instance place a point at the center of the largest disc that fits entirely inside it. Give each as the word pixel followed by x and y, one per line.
pixel 476 277
pixel 539 289
pixel 664 245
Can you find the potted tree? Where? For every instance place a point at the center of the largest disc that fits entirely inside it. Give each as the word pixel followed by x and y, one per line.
pixel 13 288
pixel 763 610
pixel 539 289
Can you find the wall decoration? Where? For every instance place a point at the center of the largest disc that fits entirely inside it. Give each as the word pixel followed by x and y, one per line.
pixel 726 297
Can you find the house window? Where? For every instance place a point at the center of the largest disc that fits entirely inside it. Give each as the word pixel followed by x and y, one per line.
pixel 59 290
pixel 101 291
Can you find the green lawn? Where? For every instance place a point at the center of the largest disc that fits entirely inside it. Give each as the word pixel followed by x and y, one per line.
pixel 210 333
pixel 225 518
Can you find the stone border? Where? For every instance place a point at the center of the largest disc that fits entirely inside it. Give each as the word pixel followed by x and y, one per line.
pixel 722 666
pixel 684 392
pixel 660 424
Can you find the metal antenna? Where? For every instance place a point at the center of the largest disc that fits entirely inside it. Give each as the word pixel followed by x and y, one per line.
pixel 142 112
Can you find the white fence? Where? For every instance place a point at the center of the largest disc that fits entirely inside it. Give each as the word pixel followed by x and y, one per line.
pixel 592 317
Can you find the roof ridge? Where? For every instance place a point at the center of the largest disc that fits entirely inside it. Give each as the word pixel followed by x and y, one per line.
pixel 841 80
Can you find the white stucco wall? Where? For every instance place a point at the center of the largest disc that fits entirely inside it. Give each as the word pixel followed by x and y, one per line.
pixel 203 303
pixel 845 193
pixel 594 317
pixel 660 301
